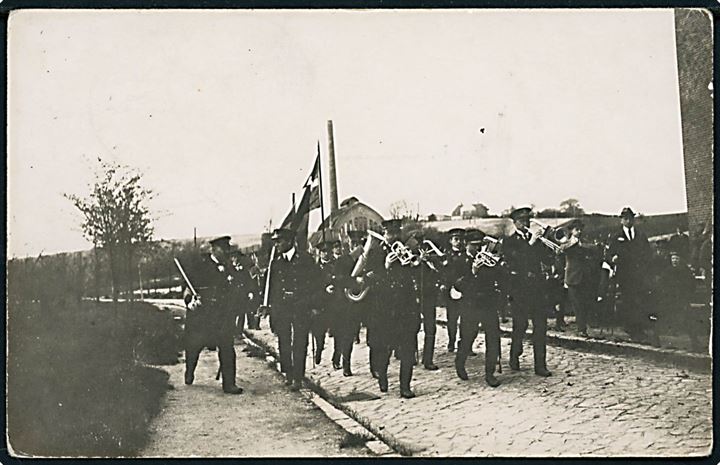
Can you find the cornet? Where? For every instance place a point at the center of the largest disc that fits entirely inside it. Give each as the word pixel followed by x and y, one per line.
pixel 485 258
pixel 403 254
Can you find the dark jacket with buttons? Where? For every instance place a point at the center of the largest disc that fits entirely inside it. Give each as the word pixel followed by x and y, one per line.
pixel 295 285
pixel 213 283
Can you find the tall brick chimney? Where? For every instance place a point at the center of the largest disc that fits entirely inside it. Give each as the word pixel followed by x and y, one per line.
pixel 331 166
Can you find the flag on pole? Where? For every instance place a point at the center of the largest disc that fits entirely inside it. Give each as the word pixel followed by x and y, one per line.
pixel 313 182
pixel 310 201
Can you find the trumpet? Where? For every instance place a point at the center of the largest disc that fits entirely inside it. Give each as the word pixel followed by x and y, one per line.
pixel 559 234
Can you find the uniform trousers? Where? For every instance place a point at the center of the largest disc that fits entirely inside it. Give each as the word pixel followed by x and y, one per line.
pixel 345 329
pixel 429 319
pixel 483 310
pixel 634 313
pixel 319 325
pixel 292 330
pixel 453 315
pixel 205 330
pixel 528 305
pixel 404 346
pixel 581 299
pixel 393 331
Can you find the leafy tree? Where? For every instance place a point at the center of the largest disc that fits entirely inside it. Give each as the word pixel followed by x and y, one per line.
pixel 116 218
pixel 551 213
pixel 571 208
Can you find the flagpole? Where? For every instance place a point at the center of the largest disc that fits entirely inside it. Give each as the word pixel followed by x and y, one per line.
pixel 322 209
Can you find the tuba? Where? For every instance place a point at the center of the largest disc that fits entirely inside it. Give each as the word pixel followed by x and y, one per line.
pixel 362 255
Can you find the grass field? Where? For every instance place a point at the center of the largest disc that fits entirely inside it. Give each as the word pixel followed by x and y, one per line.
pixel 77 384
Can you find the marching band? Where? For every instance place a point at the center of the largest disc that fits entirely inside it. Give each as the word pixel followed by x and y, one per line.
pixel 393 287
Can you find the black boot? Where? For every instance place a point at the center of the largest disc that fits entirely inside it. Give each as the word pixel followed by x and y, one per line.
pixel 428 352
pixel 191 360
pixel 373 371
pixel 460 366
pixel 491 380
pixel 233 389
pixel 406 370
pixel 382 381
pixel 336 360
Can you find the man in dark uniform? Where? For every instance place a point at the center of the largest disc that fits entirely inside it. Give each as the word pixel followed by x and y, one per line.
pixel 395 320
pixel 427 278
pixel 525 255
pixel 345 319
pixel 293 293
pixel 453 269
pixel 245 290
pixel 210 320
pixel 630 252
pixel 580 278
pixel 360 309
pixel 323 312
pixel 480 287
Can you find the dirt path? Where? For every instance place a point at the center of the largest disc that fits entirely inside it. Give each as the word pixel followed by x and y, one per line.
pixel 266 420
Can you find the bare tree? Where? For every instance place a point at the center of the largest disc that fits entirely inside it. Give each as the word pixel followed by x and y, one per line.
pixel 400 210
pixel 116 218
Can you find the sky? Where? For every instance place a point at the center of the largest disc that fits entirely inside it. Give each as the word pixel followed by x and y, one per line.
pixel 222 112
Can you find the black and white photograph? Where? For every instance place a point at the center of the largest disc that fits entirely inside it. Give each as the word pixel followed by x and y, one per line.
pixel 348 233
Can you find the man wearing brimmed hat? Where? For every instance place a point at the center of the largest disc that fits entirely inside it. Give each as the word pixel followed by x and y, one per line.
pixel 395 316
pixel 630 252
pixel 454 267
pixel 480 288
pixel 582 263
pixel 526 258
pixel 294 292
pixel 210 319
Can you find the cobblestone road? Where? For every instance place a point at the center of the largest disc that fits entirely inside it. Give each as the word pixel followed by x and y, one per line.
pixel 593 405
